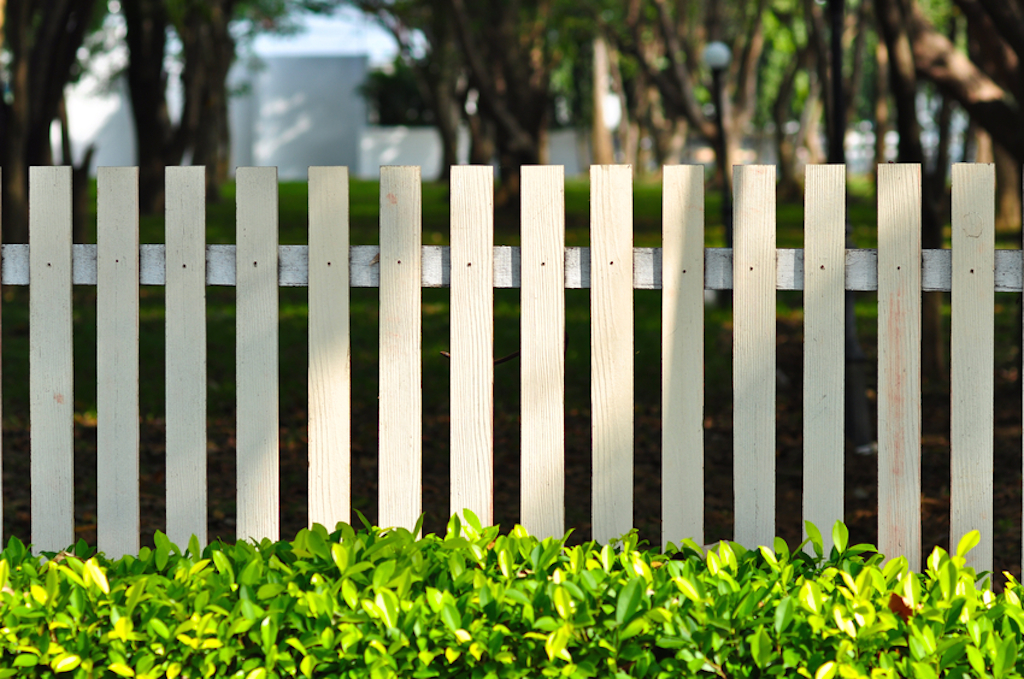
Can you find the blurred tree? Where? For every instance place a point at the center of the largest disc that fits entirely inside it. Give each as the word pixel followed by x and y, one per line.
pixel 41 39
pixel 990 92
pixel 395 97
pixel 208 32
pixel 428 50
pixel 666 38
pixel 511 49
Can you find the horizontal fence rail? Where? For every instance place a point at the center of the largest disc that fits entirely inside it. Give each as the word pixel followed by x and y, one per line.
pixel 861 267
pixel 542 269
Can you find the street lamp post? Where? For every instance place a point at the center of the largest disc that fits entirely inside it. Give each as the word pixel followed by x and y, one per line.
pixel 717 56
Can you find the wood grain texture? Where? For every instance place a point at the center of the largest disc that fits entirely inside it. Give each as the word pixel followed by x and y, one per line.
pixel 117 361
pixel 754 280
pixel 611 352
pixel 824 346
pixel 185 298
pixel 256 354
pixel 330 354
pixel 401 392
pixel 972 360
pixel 542 485
pixel 472 341
pixel 682 346
pixel 51 378
pixel 899 362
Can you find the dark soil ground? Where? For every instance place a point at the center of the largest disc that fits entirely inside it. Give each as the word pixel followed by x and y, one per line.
pixel 860 491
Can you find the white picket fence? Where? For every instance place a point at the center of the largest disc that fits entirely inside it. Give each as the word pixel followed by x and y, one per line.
pixel 543 268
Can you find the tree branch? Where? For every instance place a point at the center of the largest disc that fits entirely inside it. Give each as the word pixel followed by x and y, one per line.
pixel 520 140
pixel 938 60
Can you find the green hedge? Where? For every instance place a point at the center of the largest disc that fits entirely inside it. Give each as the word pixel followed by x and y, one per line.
pixel 475 603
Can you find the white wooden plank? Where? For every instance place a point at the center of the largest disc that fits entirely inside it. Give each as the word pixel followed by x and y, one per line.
pixel 824 346
pixel 472 341
pixel 899 361
pixel 611 353
pixel 436 266
pixel 682 346
pixel 1 399
pixel 83 263
pixel 14 267
pixel 577 268
pixel 1008 271
pixel 862 270
pixel 861 267
pixel 256 354
pixel 401 393
pixel 754 279
pixel 51 378
pixel 117 361
pixel 220 264
pixel 185 384
pixel 542 485
pixel 972 359
pixel 330 353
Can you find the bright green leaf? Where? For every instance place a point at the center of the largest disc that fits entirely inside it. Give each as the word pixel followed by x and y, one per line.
pixel 629 601
pixel 968 542
pixel 840 536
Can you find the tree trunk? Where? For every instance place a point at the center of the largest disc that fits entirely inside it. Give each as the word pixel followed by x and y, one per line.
pixel 1008 187
pixel 42 41
pixel 510 60
pixel 881 103
pixel 147 24
pixel 892 17
pixel 482 147
pixel 629 131
pixel 790 187
pixel 602 150
pixel 213 48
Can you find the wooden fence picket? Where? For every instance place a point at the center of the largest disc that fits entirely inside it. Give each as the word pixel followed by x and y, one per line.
pixel 51 378
pixel 117 361
pixel 543 268
pixel 972 361
pixel 401 392
pixel 754 281
pixel 611 348
pixel 330 408
pixel 682 341
pixel 824 347
pixel 256 347
pixel 472 341
pixel 185 331
pixel 543 351
pixel 899 361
